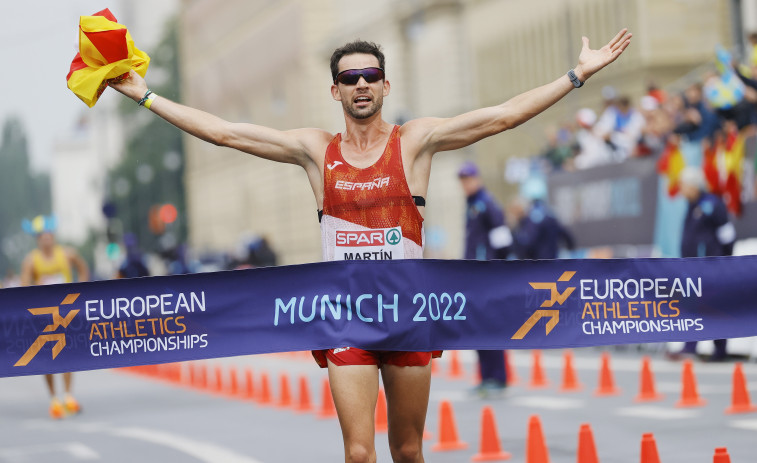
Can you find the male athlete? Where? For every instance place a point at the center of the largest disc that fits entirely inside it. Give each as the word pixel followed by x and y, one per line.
pixel 48 264
pixel 374 175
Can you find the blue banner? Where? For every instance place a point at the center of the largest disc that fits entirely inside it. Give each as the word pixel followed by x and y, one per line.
pixel 414 305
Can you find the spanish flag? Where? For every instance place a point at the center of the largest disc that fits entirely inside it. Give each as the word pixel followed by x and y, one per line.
pixel 106 51
pixel 734 159
pixel 670 164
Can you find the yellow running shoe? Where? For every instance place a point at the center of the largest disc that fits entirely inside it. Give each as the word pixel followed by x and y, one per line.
pixel 72 406
pixel 56 409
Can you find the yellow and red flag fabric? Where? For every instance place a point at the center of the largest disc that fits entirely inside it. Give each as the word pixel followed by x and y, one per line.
pixel 734 160
pixel 106 51
pixel 710 168
pixel 670 164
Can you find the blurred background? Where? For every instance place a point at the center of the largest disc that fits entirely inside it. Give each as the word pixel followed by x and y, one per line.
pixel 607 156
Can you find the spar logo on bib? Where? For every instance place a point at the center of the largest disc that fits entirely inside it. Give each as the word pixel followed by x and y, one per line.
pixel 393 236
pixel 371 244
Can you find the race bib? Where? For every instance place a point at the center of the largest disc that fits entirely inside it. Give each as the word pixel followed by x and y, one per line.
pixel 55 279
pixel 373 244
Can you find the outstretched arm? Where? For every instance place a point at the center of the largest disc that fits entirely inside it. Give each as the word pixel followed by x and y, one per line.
pixel 76 260
pixel 27 272
pixel 289 146
pixel 460 131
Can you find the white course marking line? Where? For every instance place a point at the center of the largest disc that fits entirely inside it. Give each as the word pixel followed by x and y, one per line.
pixel 750 425
pixel 548 403
pixel 657 413
pixel 203 451
pixel 77 450
pixel 453 396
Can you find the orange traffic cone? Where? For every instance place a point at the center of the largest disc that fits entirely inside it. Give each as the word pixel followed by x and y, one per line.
pixel 510 373
pixel 649 449
pixel 285 396
pixel 489 448
pixel 249 391
pixel 448 439
pixel 218 384
pixel 740 402
pixel 328 410
pixel 264 396
pixel 587 451
pixel 689 395
pixel 201 376
pixel 303 404
pixel 189 378
pixel 647 390
pixel 538 378
pixel 233 389
pixel 536 446
pixel 455 368
pixel 606 381
pixel 569 378
pixel 382 420
pixel 721 456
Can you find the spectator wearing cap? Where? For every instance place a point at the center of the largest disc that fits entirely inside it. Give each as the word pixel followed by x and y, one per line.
pixel 620 126
pixel 592 150
pixel 707 231
pixel 657 128
pixel 486 237
pixel 537 233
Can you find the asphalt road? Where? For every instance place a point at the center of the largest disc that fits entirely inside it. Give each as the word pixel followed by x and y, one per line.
pixel 129 417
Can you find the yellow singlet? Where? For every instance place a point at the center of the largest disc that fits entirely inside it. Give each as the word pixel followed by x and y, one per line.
pixel 51 271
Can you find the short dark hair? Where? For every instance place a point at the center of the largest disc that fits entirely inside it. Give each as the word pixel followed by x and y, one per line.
pixel 357 46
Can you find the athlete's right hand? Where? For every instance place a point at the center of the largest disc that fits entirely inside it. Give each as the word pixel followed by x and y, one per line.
pixel 134 86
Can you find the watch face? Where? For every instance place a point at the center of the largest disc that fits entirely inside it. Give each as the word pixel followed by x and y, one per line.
pixel 574 79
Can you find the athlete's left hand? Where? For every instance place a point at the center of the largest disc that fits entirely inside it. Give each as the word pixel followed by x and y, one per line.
pixel 590 61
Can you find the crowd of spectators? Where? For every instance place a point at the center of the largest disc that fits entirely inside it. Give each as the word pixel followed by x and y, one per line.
pixel 723 99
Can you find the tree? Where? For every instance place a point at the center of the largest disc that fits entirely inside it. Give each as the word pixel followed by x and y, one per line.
pixel 152 170
pixel 24 194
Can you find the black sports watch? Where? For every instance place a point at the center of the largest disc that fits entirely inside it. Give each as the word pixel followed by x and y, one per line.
pixel 574 79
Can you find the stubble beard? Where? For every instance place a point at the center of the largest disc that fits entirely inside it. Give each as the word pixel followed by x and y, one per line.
pixel 363 113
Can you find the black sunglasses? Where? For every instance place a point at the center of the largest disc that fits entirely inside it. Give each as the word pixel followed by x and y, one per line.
pixel 352 76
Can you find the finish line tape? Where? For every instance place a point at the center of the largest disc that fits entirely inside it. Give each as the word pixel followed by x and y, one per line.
pixel 412 305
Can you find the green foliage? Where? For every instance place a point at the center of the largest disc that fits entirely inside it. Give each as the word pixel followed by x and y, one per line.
pixel 25 194
pixel 153 146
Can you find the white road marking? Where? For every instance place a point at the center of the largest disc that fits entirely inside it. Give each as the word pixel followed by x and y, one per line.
pixel 203 451
pixel 77 450
pixel 744 424
pixel 657 413
pixel 548 403
pixel 453 396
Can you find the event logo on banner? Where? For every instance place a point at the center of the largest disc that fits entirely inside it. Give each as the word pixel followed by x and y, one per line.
pixel 620 306
pixel 121 325
pixel 555 296
pixel 58 338
pixel 143 323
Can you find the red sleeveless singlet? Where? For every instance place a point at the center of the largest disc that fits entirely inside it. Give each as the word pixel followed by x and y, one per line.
pixel 366 211
pixel 370 214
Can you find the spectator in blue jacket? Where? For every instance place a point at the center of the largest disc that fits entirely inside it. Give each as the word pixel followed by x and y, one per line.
pixel 486 237
pixel 699 122
pixel 537 234
pixel 707 231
